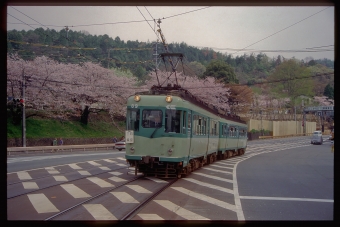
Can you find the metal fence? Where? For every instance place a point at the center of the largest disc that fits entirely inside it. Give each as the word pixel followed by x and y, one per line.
pixel 31 142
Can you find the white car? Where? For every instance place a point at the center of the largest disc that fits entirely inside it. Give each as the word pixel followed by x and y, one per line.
pixel 316 138
pixel 120 145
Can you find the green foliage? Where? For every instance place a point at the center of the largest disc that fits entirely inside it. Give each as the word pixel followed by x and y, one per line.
pixel 288 73
pixel 221 71
pixel 329 91
pixel 197 68
pixel 46 128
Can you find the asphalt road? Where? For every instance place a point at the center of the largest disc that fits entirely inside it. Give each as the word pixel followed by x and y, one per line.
pixel 280 179
pixel 292 184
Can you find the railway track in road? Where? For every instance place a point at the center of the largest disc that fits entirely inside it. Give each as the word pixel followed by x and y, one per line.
pixel 117 195
pixel 128 206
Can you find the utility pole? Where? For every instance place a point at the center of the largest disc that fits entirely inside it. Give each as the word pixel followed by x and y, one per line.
pixel 23 111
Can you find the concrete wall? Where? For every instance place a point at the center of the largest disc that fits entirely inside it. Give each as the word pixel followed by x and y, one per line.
pixel 281 128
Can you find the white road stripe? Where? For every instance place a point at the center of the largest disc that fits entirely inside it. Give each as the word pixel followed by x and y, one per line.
pixel 288 199
pixel 226 164
pixel 116 173
pixel 94 163
pixel 138 188
pixel 124 197
pixel 100 182
pixel 150 217
pixel 74 166
pixel 239 211
pixel 24 176
pixel 51 170
pixel 104 168
pixel 209 185
pixel 157 180
pixel 75 191
pixel 215 170
pixel 213 177
pixel 42 204
pixel 110 161
pixel 206 198
pixel 99 212
pixel 180 211
pixel 84 173
pixel 60 178
pixel 219 166
pixel 117 179
pixel 120 164
pixel 124 159
pixel 30 185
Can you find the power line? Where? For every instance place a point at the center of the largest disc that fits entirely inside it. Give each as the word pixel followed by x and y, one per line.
pixel 186 12
pixel 282 30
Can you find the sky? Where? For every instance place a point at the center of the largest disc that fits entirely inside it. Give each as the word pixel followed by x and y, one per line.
pixel 289 31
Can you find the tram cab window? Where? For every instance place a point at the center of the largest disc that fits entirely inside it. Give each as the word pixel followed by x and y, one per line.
pixel 133 118
pixel 152 118
pixel 175 121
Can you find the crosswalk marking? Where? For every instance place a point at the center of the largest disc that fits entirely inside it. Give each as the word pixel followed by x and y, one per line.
pixel 180 211
pixel 120 164
pixel 206 198
pixel 124 159
pixel 226 164
pixel 99 212
pixel 60 178
pixel 117 179
pixel 209 185
pixel 110 161
pixel 150 217
pixel 138 188
pixel 94 163
pixel 100 182
pixel 41 203
pixel 124 197
pixel 51 170
pixel 30 185
pixel 104 168
pixel 75 191
pixel 214 177
pixel 116 173
pixel 74 166
pixel 24 176
pixel 219 166
pixel 84 173
pixel 157 180
pixel 215 170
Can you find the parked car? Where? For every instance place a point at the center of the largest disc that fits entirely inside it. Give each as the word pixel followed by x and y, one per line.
pixel 120 145
pixel 317 138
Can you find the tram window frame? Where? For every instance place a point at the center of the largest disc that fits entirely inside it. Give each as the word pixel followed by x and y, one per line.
pixel 200 125
pixel 175 121
pixel 132 121
pixel 146 119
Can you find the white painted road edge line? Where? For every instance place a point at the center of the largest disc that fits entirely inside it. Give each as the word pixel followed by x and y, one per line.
pixel 288 199
pixel 239 211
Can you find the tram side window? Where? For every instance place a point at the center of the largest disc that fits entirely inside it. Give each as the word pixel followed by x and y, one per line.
pixel 231 131
pixel 213 127
pixel 175 121
pixel 199 125
pixel 152 118
pixel 133 118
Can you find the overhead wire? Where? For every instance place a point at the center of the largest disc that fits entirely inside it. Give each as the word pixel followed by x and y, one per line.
pixel 282 30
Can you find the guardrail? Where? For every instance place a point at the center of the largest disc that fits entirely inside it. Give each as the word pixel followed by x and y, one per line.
pixel 284 136
pixel 63 147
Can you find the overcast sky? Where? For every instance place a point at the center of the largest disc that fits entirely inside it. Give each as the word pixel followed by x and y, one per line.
pixel 274 30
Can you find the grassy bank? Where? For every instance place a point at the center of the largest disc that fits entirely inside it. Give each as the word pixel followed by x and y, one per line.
pixel 48 128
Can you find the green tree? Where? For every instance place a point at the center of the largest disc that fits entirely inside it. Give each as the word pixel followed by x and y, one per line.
pixel 221 71
pixel 329 91
pixel 294 80
pixel 197 68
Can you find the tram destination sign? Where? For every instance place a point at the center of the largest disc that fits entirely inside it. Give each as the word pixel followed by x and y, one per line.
pixel 319 108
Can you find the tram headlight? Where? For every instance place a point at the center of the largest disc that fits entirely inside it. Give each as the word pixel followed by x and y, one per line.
pixel 137 98
pixel 168 98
